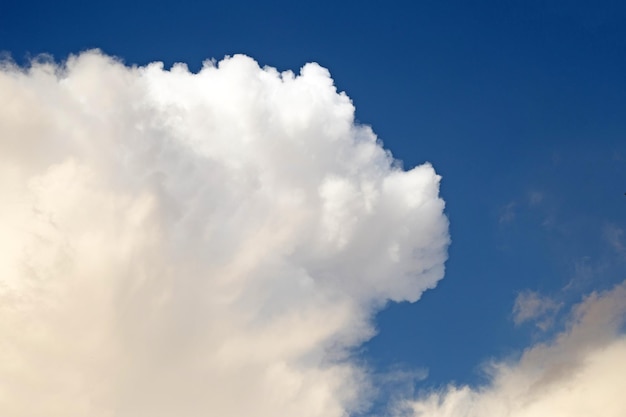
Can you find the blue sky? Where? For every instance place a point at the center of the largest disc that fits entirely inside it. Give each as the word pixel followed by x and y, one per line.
pixel 519 105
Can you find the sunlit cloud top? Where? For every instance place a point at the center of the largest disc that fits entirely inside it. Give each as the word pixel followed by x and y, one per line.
pixel 198 244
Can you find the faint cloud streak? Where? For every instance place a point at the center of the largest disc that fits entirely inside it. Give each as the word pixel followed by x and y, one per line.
pixel 532 306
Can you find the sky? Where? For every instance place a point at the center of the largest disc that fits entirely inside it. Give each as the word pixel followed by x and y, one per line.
pixel 355 209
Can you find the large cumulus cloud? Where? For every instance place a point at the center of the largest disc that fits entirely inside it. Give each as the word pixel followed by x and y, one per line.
pixel 178 244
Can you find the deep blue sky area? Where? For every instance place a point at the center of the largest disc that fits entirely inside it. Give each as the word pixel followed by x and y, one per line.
pixel 519 105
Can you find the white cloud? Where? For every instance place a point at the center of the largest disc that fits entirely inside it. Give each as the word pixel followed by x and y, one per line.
pixel 178 244
pixel 507 213
pixel 532 306
pixel 582 372
pixel 535 198
pixel 613 235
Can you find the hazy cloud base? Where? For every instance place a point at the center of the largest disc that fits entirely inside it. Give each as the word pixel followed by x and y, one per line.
pixel 179 244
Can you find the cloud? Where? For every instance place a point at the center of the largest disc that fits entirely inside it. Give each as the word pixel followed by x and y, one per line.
pixel 532 306
pixel 507 213
pixel 582 372
pixel 613 235
pixel 179 244
pixel 535 198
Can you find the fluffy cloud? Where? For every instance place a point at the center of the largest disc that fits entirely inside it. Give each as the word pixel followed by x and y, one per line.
pixel 581 373
pixel 178 244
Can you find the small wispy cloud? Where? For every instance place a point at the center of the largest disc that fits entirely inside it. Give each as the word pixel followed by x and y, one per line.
pixel 507 213
pixel 532 306
pixel 535 198
pixel 580 373
pixel 614 236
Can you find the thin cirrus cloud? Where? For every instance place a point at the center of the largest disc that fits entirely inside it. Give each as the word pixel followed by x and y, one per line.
pixel 197 244
pixel 582 372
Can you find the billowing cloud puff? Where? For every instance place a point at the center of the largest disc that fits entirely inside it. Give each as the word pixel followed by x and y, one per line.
pixel 178 244
pixel 581 373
